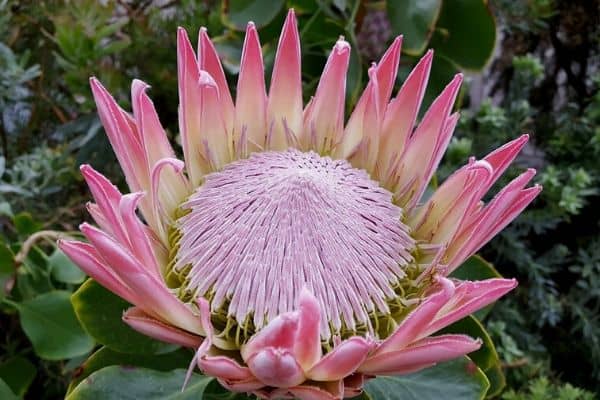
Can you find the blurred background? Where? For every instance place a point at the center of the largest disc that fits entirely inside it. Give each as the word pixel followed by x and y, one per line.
pixel 531 66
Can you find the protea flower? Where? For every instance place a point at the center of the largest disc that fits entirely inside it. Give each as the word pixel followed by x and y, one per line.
pixel 295 254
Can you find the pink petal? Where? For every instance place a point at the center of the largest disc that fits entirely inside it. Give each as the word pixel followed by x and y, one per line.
pixel 158 300
pixel 208 60
pixel 87 258
pixel 482 225
pixel 387 69
pixel 251 98
pixel 422 354
pixel 307 346
pixel 447 207
pixel 360 142
pixel 279 333
pixel 368 114
pixel 216 142
pixel 324 115
pixel 401 113
pixel 285 93
pixel 153 135
pixel 324 391
pixel 123 137
pixel 140 245
pixel 189 108
pixel 426 147
pixel 224 367
pixel 276 367
pixel 342 361
pixel 173 188
pixel 107 198
pixel 468 298
pixel 165 201
pixel 503 156
pixel 415 325
pixel 149 326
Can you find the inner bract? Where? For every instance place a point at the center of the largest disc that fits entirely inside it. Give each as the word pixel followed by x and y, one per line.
pixel 254 234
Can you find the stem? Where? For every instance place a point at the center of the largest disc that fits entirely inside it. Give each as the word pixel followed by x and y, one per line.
pixel 32 240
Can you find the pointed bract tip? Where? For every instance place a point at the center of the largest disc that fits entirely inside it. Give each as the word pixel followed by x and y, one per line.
pixel 341 45
pixel 250 26
pixel 206 79
pixel 142 85
pixel 84 227
pixel 134 196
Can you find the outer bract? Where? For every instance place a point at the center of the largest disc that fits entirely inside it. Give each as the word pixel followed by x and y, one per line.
pixel 294 251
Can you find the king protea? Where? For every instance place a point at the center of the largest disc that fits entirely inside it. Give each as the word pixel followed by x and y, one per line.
pixel 292 250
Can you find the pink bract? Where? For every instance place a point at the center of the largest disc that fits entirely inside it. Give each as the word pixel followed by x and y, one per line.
pixel 295 252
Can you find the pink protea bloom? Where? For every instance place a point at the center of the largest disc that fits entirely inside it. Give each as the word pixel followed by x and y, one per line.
pixel 291 251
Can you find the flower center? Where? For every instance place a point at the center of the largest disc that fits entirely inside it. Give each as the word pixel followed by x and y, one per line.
pixel 258 231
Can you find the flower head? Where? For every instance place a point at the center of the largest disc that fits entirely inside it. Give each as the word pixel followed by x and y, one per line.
pixel 295 252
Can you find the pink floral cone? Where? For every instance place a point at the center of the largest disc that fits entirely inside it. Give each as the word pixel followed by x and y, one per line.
pixel 295 252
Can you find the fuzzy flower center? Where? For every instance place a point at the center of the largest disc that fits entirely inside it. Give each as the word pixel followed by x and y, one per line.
pixel 258 231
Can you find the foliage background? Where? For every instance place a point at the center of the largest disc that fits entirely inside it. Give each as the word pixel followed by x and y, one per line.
pixel 541 77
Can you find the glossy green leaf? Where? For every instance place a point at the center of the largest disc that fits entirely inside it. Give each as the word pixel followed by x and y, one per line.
pixel 105 357
pixel 475 268
pixel 6 393
pixel 52 327
pixel 465 33
pixel 100 312
pixel 63 269
pixel 18 373
pixel 127 383
pixel 497 380
pixel 7 268
pixel 486 357
pixel 460 379
pixel 415 20
pixel 237 13
pixel 25 225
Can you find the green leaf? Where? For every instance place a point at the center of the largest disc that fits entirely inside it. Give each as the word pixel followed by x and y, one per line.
pixel 466 33
pixel 105 357
pixel 475 268
pixel 237 13
pixel 126 383
pixel 415 20
pixel 6 209
pixel 18 373
pixel 100 311
pixel 459 379
pixel 5 392
pixel 7 268
pixel 25 225
pixel 50 323
pixel 486 357
pixel 63 269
